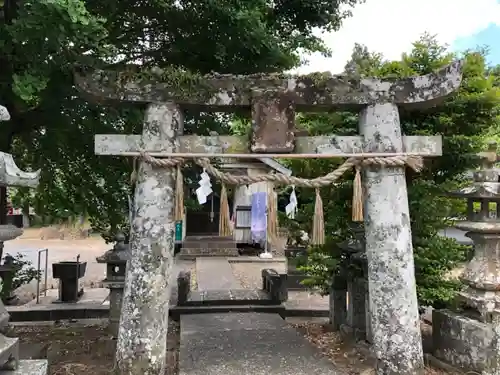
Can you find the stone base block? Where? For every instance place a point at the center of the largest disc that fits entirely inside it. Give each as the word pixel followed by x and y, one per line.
pixel 29 367
pixel 464 343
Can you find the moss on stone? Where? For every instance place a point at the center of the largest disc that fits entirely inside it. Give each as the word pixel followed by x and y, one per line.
pixel 185 83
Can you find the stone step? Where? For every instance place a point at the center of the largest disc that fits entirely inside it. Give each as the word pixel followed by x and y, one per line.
pixel 9 350
pixel 209 238
pixel 208 245
pixel 220 252
pixel 229 297
pixel 29 367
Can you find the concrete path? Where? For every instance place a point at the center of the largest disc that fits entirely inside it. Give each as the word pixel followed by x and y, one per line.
pixel 242 343
pixel 215 274
pixel 246 343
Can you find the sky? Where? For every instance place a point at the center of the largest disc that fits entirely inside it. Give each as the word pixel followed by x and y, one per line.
pixel 390 27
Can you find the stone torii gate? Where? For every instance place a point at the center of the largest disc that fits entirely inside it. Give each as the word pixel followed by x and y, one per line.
pixel 273 100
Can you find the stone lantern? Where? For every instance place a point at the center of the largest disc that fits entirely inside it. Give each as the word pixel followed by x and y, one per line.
pixel 11 175
pixel 357 318
pixel 116 265
pixel 470 337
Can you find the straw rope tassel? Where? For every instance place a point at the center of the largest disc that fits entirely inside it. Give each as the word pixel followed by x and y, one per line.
pixel 179 195
pixel 318 234
pixel 357 197
pixel 224 225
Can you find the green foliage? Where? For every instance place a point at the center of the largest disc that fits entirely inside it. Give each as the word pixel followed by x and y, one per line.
pixel 463 120
pixel 52 126
pixel 23 274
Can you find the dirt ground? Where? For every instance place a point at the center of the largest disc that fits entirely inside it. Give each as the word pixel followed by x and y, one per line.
pixel 84 350
pixel 346 355
pixel 89 349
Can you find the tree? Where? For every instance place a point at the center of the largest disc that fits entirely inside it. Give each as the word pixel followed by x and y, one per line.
pixel 52 127
pixel 463 120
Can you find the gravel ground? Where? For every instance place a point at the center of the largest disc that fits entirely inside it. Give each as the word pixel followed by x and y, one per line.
pixel 250 274
pixel 348 359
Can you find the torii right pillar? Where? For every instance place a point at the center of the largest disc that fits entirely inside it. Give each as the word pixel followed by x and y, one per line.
pixel 394 317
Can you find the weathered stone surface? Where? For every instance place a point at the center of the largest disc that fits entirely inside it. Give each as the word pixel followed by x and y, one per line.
pixel 319 91
pixel 116 144
pixel 246 343
pixel 397 341
pixel 141 347
pixel 4 114
pixel 273 121
pixel 464 342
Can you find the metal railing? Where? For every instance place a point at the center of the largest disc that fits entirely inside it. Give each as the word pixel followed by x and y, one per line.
pixel 46 251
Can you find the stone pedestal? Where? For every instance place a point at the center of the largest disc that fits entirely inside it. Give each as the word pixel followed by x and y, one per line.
pixel 464 342
pixel 116 265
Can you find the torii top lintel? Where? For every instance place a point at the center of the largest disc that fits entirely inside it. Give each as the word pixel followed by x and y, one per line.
pixel 219 92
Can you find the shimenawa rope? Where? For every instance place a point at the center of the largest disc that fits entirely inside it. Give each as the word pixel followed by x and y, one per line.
pixel 414 162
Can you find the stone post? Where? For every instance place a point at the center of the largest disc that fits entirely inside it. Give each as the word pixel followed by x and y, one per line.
pixel 338 303
pixel 357 284
pixel 397 341
pixel 116 265
pixel 142 344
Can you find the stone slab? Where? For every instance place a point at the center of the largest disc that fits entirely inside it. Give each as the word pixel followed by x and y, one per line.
pixel 29 367
pixel 246 343
pixel 215 274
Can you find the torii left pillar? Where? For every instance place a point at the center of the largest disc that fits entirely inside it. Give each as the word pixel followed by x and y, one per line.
pixel 142 336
